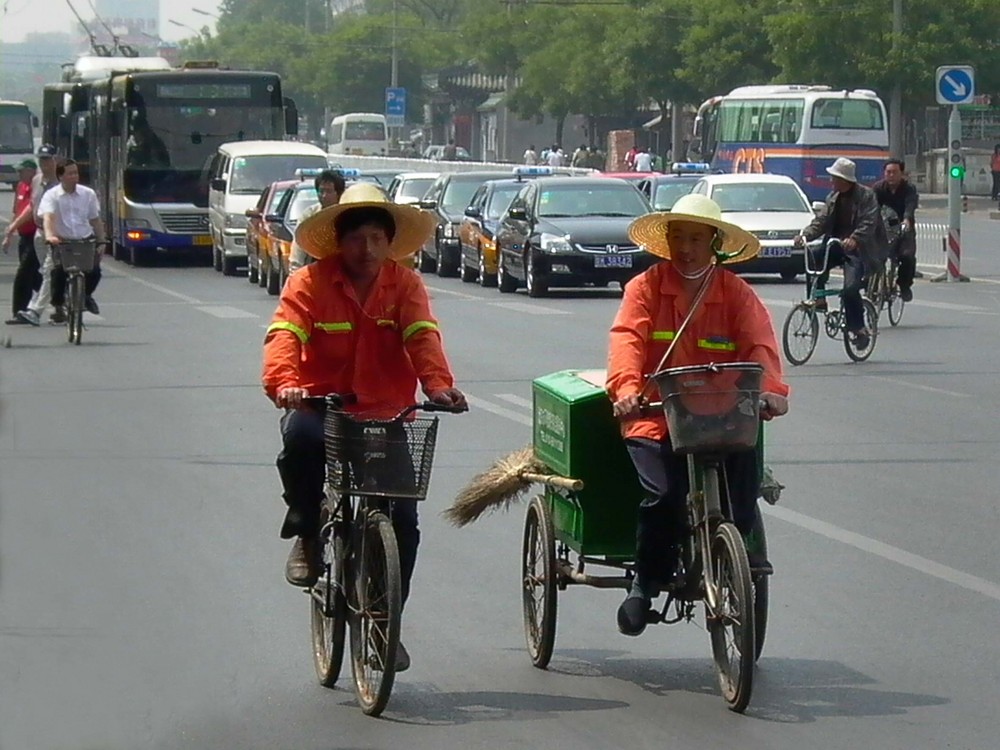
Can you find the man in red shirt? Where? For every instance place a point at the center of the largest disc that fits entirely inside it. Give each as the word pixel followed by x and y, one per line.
pixel 731 325
pixel 354 322
pixel 28 277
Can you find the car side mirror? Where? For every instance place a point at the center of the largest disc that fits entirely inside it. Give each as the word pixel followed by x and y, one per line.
pixel 819 208
pixel 428 204
pixel 473 212
pixel 219 184
pixel 253 213
pixel 518 214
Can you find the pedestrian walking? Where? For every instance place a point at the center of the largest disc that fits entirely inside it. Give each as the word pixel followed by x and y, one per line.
pixel 28 276
pixel 531 156
pixel 995 169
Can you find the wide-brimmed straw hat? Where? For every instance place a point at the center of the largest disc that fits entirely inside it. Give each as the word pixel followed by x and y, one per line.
pixel 843 168
pixel 650 231
pixel 318 237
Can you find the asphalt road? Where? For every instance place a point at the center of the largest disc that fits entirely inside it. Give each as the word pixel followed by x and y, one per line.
pixel 142 600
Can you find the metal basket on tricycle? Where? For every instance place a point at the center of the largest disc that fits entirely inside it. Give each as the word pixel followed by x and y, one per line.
pixel 380 458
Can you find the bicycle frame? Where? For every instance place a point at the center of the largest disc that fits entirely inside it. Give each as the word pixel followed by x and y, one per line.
pixel 814 272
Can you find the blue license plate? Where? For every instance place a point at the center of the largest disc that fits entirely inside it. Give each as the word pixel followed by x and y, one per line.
pixel 613 261
pixel 776 252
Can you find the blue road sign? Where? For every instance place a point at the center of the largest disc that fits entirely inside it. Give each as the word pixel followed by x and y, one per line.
pixel 395 102
pixel 955 84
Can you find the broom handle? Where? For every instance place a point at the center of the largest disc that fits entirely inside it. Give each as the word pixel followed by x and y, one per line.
pixel 680 331
pixel 553 480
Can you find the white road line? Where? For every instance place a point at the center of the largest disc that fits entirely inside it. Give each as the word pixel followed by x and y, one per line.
pixel 918 386
pixel 225 312
pixel 530 309
pixel 886 552
pixel 946 306
pixel 510 398
pixel 451 292
pixel 513 416
pixel 780 302
pixel 118 271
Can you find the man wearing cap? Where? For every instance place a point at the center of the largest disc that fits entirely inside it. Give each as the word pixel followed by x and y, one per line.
pixel 354 322
pixel 730 325
pixel 27 278
pixel 330 186
pixel 851 216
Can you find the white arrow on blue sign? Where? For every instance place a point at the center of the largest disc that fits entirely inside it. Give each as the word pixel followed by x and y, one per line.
pixel 955 84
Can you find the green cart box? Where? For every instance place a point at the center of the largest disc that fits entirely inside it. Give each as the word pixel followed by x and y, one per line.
pixel 576 435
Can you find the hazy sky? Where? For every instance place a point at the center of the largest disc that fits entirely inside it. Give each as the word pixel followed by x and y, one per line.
pixel 21 17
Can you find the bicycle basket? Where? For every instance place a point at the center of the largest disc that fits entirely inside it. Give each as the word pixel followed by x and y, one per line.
pixel 77 256
pixel 379 458
pixel 711 408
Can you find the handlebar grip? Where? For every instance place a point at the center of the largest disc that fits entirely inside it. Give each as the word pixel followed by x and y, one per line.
pixel 336 400
pixel 431 406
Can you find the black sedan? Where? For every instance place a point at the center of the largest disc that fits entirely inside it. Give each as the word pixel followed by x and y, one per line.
pixel 570 231
pixel 448 197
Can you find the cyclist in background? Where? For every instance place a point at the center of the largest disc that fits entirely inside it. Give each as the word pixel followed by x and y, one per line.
pixel 899 194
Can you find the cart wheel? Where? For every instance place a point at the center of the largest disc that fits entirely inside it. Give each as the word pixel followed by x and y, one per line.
pixel 538 582
pixel 761 592
pixel 732 625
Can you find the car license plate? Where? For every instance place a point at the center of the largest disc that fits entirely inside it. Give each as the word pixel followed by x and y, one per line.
pixel 202 239
pixel 776 252
pixel 613 261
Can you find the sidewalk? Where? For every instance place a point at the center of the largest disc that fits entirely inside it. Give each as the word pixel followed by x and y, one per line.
pixel 978 205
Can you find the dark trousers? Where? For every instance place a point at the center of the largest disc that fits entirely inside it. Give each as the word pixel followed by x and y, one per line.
pixel 28 277
pixel 854 281
pixel 91 280
pixel 996 185
pixel 663 521
pixel 906 253
pixel 302 468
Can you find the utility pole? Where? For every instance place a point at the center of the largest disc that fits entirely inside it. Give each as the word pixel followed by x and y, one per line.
pixel 504 145
pixel 896 95
pixel 394 72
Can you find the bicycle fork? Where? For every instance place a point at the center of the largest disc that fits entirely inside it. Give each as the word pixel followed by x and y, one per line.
pixel 703 481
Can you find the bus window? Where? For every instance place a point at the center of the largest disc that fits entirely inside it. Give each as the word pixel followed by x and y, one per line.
pixel 365 131
pixel 847 114
pixel 337 133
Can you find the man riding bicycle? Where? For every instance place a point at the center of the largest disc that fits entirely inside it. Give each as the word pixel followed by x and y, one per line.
pixel 899 194
pixel 851 216
pixel 731 325
pixel 354 322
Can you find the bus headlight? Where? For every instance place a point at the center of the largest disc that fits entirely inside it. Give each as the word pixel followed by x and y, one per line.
pixel 136 224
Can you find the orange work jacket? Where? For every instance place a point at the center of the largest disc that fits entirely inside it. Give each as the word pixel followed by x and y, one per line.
pixel 321 338
pixel 732 325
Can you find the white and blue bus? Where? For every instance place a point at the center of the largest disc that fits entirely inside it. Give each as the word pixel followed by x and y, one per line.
pixel 17 138
pixel 793 130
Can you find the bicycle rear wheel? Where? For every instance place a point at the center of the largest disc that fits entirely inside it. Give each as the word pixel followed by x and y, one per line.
pixel 376 608
pixel 74 316
pixel 731 625
pixel 538 583
pixel 329 604
pixel 861 353
pixel 799 334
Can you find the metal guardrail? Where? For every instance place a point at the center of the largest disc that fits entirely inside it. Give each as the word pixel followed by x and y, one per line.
pixel 930 244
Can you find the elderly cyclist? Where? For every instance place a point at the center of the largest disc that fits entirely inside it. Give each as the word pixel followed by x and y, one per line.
pixel 731 325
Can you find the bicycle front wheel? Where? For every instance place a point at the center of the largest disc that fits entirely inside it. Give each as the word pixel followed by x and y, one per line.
pixel 731 624
pixel 376 608
pixel 75 300
pixel 329 608
pixel 799 334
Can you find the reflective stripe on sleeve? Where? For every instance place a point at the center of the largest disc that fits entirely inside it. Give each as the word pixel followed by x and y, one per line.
pixel 420 325
pixel 335 327
pixel 284 325
pixel 663 336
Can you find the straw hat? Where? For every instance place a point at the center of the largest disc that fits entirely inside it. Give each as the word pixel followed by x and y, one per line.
pixel 843 168
pixel 650 231
pixel 316 234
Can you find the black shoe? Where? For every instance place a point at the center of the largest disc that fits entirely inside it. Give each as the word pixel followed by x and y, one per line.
pixel 632 615
pixel 90 305
pixel 302 568
pixel 862 338
pixel 402 658
pixel 15 321
pixel 58 316
pixel 906 294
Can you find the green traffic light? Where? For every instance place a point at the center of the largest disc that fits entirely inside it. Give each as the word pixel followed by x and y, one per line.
pixel 957 172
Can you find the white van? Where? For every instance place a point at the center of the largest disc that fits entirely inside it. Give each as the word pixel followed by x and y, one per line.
pixel 238 173
pixel 359 134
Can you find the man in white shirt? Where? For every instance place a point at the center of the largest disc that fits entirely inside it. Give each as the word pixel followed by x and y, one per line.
pixel 530 156
pixel 643 161
pixel 70 212
pixel 556 157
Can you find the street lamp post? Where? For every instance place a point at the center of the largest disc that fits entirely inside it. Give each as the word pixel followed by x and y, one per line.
pixel 201 12
pixel 184 26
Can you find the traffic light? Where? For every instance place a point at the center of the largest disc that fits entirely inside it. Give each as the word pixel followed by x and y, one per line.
pixel 957 169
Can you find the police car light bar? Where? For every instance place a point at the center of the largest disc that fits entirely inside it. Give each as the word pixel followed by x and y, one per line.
pixel 347 171
pixel 689 166
pixel 302 172
pixel 532 171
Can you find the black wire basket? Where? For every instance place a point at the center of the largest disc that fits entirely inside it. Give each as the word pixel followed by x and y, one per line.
pixel 380 458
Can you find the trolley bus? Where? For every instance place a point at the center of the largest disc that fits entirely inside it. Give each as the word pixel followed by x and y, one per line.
pixel 794 130
pixel 17 138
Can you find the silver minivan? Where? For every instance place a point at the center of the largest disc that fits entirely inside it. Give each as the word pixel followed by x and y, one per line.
pixel 238 173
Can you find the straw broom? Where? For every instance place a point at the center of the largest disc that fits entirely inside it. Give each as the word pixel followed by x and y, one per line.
pixel 498 487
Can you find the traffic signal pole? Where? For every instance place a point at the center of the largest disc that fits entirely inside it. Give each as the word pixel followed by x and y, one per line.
pixel 956 173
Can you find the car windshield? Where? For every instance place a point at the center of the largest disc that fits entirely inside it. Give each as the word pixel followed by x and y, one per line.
pixel 564 201
pixel 458 194
pixel 668 193
pixel 414 188
pixel 304 198
pixel 500 200
pixel 251 174
pixel 759 197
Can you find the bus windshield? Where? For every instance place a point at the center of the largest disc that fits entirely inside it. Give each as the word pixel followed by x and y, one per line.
pixel 15 129
pixel 364 131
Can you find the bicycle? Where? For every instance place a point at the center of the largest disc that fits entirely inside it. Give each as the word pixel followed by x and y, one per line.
pixel 77 257
pixel 882 287
pixel 711 410
pixel 370 463
pixel 801 328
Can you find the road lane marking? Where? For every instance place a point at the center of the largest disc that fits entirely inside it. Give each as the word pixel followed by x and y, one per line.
pixel 510 398
pixel 500 411
pixel 225 312
pixel 118 271
pixel 946 306
pixel 918 386
pixel 451 292
pixel 887 552
pixel 530 309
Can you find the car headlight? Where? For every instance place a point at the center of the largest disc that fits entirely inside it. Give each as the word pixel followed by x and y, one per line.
pixel 236 221
pixel 449 230
pixel 553 243
pixel 136 224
